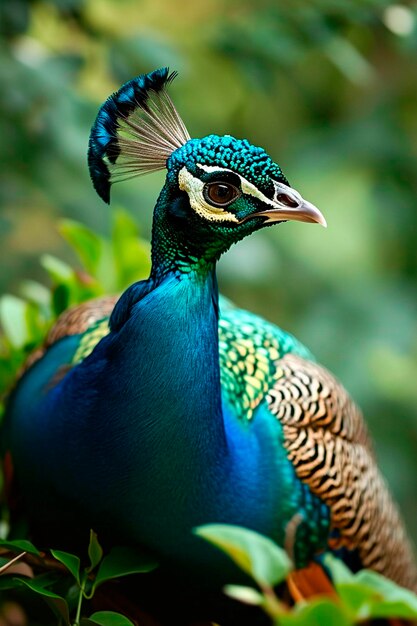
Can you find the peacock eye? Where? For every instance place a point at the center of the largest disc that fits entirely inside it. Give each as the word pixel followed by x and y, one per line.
pixel 287 200
pixel 220 194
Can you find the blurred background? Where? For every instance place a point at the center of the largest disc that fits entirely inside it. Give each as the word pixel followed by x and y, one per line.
pixel 328 89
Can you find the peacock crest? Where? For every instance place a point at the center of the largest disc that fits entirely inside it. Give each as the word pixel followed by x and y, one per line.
pixel 136 130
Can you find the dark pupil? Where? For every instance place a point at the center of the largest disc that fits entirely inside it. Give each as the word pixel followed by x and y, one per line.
pixel 287 200
pixel 220 193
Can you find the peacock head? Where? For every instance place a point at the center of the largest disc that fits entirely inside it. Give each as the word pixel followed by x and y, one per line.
pixel 218 189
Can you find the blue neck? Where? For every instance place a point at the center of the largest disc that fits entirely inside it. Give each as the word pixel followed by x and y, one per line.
pixel 173 328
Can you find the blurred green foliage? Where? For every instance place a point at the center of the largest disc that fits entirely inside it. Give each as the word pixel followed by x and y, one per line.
pixel 329 89
pixel 68 584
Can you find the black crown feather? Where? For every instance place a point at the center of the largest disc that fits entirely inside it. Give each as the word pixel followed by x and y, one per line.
pixel 135 131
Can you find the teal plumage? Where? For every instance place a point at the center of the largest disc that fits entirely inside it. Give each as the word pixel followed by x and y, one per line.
pixel 170 408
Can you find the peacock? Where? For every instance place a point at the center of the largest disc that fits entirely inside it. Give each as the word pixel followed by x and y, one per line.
pixel 147 415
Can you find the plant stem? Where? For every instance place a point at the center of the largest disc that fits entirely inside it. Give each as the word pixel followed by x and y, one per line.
pixel 80 602
pixel 7 565
pixel 272 605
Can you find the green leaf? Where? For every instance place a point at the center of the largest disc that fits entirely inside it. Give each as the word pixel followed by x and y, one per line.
pixel 71 562
pixel 9 581
pixel 13 318
pixel 247 595
pixel 395 601
pixel 124 227
pixel 369 595
pixel 59 271
pixel 36 324
pixel 42 581
pixel 131 255
pixel 106 618
pixel 19 545
pixel 58 604
pixel 36 292
pixel 86 243
pixel 339 571
pixel 106 270
pixel 61 298
pixel 255 554
pixel 95 551
pixel 318 612
pixel 123 562
pixel 380 597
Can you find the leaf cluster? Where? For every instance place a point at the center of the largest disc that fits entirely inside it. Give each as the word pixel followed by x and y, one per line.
pixel 66 589
pixel 361 597
pixel 107 265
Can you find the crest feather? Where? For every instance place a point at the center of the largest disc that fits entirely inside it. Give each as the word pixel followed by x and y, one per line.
pixel 135 131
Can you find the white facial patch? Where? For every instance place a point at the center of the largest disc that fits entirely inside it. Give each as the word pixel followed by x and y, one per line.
pixel 250 189
pixel 194 187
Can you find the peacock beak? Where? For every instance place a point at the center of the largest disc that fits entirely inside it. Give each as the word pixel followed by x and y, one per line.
pixel 287 204
pixel 303 212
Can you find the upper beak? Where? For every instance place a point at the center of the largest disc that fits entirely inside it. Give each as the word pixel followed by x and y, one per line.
pixel 304 212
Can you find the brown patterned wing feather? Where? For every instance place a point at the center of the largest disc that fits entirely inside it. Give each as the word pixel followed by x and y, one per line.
pixel 327 442
pixel 78 319
pixel 73 321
